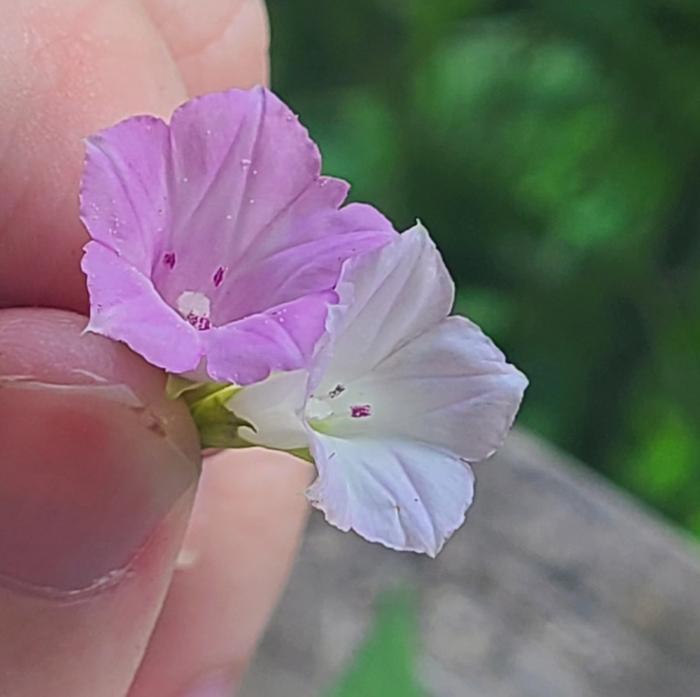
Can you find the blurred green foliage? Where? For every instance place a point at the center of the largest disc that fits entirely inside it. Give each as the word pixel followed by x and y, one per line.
pixel 553 149
pixel 384 665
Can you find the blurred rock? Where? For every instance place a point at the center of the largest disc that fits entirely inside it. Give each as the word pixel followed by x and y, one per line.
pixel 557 586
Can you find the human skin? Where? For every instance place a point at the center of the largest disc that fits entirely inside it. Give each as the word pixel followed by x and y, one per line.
pixel 127 568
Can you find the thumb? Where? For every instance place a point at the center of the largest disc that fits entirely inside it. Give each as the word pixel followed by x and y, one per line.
pixel 98 473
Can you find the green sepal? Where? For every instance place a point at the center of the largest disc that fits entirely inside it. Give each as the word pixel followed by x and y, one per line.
pixel 301 453
pixel 217 425
pixel 177 386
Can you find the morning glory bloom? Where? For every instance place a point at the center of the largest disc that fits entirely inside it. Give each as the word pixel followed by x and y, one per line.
pixel 397 402
pixel 216 242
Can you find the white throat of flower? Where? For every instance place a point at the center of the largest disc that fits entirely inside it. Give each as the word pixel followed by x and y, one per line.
pixel 318 409
pixel 338 408
pixel 195 307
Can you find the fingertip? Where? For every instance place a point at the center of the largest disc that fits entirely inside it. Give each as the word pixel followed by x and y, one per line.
pixel 99 472
pixel 67 69
pixel 51 346
pixel 242 539
pixel 215 45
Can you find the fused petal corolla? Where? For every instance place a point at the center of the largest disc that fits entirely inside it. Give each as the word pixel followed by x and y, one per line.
pixel 216 242
pixel 399 399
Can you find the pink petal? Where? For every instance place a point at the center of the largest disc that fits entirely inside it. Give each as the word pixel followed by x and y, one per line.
pixel 244 184
pixel 405 495
pixel 282 338
pixel 310 260
pixel 125 306
pixel 123 196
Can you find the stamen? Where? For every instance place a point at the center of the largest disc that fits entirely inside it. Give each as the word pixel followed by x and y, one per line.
pixel 336 391
pixel 201 323
pixel 195 308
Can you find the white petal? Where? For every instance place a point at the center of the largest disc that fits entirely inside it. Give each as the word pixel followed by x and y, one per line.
pixel 450 387
pixel 274 407
pixel 387 297
pixel 407 496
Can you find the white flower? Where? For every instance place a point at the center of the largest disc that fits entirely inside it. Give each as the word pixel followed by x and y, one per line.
pixel 398 400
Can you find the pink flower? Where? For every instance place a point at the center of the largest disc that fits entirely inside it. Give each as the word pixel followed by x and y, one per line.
pixel 216 244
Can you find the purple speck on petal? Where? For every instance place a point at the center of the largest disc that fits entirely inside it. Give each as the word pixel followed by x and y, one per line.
pixel 361 411
pixel 219 276
pixel 169 259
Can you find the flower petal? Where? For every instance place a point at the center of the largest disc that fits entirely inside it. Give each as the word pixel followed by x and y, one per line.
pixel 450 387
pixel 315 247
pixel 407 496
pixel 228 149
pixel 123 198
pixel 386 298
pixel 224 211
pixel 274 407
pixel 125 306
pixel 282 338
pixel 244 186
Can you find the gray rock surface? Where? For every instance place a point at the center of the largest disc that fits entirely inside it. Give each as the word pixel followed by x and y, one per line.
pixel 559 585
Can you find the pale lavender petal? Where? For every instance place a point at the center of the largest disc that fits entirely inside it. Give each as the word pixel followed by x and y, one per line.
pixel 123 197
pixel 282 338
pixel 405 495
pixel 274 408
pixel 386 298
pixel 125 306
pixel 450 387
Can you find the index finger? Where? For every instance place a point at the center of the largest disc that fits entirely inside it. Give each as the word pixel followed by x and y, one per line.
pixel 216 45
pixel 67 68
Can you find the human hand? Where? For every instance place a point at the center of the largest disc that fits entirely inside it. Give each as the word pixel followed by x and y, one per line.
pixel 100 472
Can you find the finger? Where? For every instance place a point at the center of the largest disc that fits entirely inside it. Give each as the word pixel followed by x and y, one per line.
pixel 67 68
pixel 216 45
pixel 98 472
pixel 245 529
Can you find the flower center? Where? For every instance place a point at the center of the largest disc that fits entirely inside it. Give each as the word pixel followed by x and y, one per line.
pixel 195 307
pixel 318 409
pixel 336 406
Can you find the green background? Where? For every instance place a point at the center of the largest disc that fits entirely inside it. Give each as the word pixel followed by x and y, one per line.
pixel 553 150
